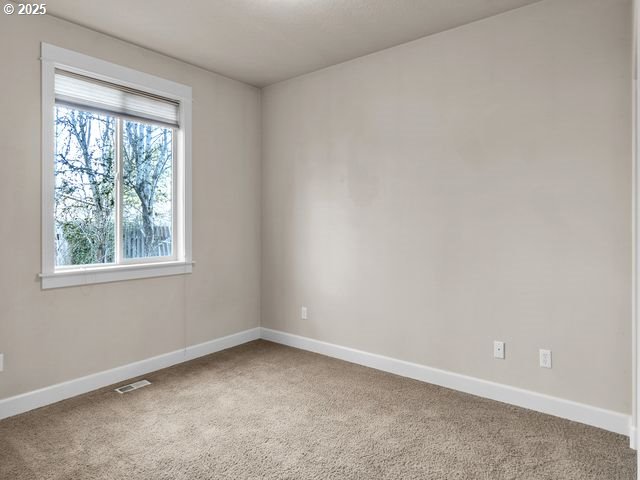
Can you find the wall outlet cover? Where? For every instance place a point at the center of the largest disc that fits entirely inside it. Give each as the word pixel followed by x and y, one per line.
pixel 498 349
pixel 545 358
pixel 303 313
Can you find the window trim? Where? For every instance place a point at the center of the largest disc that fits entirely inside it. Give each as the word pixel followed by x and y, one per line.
pixel 53 57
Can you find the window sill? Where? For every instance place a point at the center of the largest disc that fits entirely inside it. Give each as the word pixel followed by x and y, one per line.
pixel 115 273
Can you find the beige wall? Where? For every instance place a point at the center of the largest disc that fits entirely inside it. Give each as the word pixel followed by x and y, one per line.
pixel 56 335
pixel 422 202
pixel 470 186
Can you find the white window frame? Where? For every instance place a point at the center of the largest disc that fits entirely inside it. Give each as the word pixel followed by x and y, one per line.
pixel 181 262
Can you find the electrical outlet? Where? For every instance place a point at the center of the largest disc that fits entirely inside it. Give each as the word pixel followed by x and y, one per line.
pixel 498 349
pixel 303 313
pixel 1 362
pixel 545 358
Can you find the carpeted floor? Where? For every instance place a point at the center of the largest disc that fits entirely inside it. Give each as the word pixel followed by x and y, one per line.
pixel 266 411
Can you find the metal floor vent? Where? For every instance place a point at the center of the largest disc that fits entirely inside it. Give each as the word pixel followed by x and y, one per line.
pixel 133 386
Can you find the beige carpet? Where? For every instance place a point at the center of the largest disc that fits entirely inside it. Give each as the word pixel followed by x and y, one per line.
pixel 266 411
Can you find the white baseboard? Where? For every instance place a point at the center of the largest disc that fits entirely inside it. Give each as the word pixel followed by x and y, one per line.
pixel 61 391
pixel 578 412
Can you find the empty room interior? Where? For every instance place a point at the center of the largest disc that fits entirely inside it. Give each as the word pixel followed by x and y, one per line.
pixel 319 239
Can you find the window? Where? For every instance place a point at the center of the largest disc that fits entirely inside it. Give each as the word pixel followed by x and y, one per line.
pixel 116 172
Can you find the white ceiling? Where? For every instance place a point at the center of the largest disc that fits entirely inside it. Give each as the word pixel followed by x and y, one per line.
pixel 264 41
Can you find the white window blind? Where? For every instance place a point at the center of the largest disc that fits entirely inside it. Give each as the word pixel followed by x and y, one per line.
pixel 79 91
